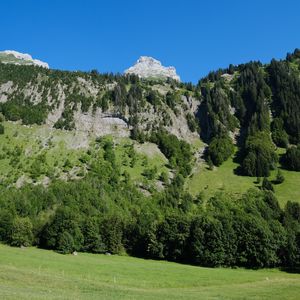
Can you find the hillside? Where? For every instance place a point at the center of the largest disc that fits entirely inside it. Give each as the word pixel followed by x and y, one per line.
pixel 154 167
pixel 38 274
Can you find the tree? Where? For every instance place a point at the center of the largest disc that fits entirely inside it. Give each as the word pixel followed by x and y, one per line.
pixel 267 185
pixel 279 135
pixel 291 255
pixel 112 232
pixel 1 129
pixel 220 149
pixel 65 243
pixel 291 159
pixel 21 234
pixel 279 177
pixel 92 238
pixel 260 155
pixel 173 233
pixel 66 219
pixel 192 123
pixel 6 225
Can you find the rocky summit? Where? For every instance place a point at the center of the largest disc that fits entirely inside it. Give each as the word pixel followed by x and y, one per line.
pixel 149 67
pixel 17 58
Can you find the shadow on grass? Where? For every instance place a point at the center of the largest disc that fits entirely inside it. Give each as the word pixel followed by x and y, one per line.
pixel 290 270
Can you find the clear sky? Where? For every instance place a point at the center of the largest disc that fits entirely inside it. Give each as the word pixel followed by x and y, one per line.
pixel 194 36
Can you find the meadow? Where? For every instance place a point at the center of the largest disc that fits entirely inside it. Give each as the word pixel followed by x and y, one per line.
pixel 31 273
pixel 208 182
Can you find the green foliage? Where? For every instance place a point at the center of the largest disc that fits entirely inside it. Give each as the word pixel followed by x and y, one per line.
pixel 285 84
pixel 29 113
pixel 1 129
pixel 66 121
pixel 92 238
pixel 192 123
pixel 253 89
pixel 172 99
pixel 150 173
pixel 153 98
pixel 279 135
pixel 164 177
pixel 220 149
pixel 21 232
pixel 177 151
pixel 279 177
pixel 214 113
pixel 291 221
pixel 291 159
pixel 267 185
pixel 2 118
pixel 65 243
pixel 95 215
pixel 260 155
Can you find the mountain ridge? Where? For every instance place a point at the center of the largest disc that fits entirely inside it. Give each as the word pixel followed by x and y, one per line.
pixel 15 57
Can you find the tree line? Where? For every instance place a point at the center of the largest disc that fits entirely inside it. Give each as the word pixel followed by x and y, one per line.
pixel 106 212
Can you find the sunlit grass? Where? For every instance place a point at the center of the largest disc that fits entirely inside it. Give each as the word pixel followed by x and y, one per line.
pixel 40 274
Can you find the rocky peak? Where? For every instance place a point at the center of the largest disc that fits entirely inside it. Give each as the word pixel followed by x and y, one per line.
pixel 147 67
pixel 14 57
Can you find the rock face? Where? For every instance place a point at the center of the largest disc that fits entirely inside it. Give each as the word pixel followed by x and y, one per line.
pixel 14 57
pixel 148 67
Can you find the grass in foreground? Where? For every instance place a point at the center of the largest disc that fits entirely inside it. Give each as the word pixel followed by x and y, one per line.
pixel 40 274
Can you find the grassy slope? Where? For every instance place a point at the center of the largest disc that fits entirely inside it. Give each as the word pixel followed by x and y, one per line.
pixel 40 274
pixel 33 141
pixel 60 146
pixel 224 178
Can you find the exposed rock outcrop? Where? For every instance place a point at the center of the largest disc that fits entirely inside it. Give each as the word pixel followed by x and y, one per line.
pixel 14 57
pixel 148 67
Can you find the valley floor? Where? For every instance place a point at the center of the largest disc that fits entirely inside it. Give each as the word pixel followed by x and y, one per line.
pixel 30 273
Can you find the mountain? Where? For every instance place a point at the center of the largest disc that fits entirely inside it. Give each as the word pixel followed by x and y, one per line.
pixel 155 168
pixel 95 103
pixel 14 57
pixel 148 67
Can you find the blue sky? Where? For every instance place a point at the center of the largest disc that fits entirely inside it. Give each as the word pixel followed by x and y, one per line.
pixel 194 36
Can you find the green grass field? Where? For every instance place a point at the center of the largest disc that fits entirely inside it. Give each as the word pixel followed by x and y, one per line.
pixel 32 273
pixel 224 178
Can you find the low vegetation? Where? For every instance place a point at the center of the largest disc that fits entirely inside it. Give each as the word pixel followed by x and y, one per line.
pixel 40 274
